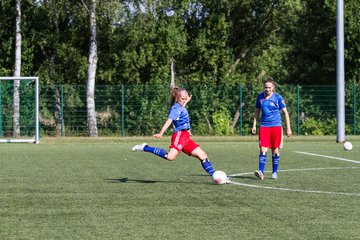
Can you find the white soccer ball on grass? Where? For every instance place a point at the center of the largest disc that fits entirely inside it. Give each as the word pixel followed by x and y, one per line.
pixel 348 146
pixel 220 177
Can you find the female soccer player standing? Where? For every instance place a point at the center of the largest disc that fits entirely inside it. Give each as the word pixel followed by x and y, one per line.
pixel 271 105
pixel 178 117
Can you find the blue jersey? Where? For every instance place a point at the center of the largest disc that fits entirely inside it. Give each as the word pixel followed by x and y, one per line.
pixel 270 109
pixel 180 117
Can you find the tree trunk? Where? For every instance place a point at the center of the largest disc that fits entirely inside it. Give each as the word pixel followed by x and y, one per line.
pixel 57 111
pixel 211 130
pixel 172 83
pixel 90 90
pixel 236 118
pixel 53 73
pixel 17 72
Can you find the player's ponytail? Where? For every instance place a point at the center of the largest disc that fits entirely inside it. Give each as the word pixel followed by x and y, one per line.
pixel 174 93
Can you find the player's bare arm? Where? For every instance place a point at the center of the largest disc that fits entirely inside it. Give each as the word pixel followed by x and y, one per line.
pixel 287 122
pixel 256 116
pixel 166 125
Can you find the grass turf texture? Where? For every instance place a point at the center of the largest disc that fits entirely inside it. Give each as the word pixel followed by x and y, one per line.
pixel 99 189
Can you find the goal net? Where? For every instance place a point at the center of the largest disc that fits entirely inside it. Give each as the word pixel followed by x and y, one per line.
pixel 19 119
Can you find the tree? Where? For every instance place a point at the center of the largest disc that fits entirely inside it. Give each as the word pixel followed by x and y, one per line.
pixel 313 40
pixel 352 40
pixel 48 36
pixel 90 85
pixel 150 36
pixel 52 65
pixel 7 16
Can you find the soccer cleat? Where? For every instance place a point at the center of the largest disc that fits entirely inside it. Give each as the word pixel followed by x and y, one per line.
pixel 274 175
pixel 259 174
pixel 139 147
pixel 227 181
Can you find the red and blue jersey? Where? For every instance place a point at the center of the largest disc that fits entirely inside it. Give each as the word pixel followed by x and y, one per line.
pixel 270 109
pixel 180 117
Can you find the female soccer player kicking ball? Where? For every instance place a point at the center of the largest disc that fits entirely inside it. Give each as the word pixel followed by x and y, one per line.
pixel 180 141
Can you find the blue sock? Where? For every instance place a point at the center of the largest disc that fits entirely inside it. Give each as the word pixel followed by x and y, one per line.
pixel 275 161
pixel 262 161
pixel 157 151
pixel 207 166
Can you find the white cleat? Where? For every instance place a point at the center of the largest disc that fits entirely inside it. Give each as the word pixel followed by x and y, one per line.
pixel 139 147
pixel 274 175
pixel 259 174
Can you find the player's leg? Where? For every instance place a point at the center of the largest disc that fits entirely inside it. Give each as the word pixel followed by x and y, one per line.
pixel 276 144
pixel 204 160
pixel 175 148
pixel 262 163
pixel 264 142
pixel 193 149
pixel 275 162
pixel 172 154
pixel 155 150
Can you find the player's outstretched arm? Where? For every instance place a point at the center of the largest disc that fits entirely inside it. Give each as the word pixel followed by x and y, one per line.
pixel 163 129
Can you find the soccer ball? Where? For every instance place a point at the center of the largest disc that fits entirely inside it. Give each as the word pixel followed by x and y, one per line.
pixel 219 177
pixel 347 146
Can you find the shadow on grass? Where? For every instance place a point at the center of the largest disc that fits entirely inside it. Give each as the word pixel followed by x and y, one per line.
pixel 129 180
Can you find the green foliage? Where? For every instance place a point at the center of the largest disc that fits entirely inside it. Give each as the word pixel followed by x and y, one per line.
pixel 7 35
pixel 209 100
pixel 313 43
pixel 211 42
pixel 321 127
pixel 217 45
pixel 146 108
pixel 352 44
pixel 312 127
pixel 222 123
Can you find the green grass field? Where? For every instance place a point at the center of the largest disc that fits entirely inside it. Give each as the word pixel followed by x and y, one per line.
pixel 99 189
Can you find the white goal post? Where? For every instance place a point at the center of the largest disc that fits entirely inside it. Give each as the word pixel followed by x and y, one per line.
pixel 29 110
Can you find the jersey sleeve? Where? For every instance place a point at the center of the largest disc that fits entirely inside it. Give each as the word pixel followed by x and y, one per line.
pixel 174 113
pixel 281 102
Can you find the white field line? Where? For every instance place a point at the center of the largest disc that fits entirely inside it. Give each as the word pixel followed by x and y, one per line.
pixel 295 190
pixel 295 170
pixel 324 156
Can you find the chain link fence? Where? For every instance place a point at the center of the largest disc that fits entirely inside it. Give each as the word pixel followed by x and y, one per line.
pixel 140 110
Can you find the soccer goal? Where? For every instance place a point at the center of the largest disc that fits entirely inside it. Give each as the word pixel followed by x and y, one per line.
pixel 19 110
